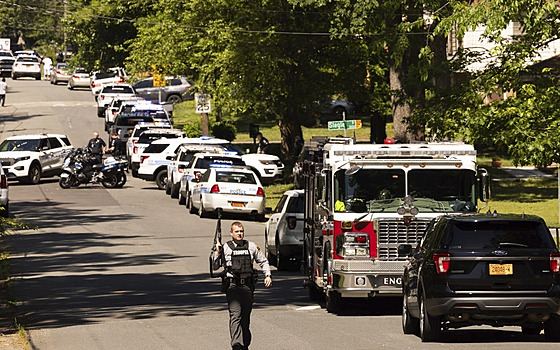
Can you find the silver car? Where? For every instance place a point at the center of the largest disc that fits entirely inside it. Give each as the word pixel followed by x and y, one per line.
pixel 78 78
pixel 284 230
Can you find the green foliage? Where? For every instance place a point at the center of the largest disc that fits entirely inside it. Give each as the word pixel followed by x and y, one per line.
pixel 193 129
pixel 224 130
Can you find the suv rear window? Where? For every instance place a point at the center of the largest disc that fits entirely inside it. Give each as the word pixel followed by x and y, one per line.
pixel 117 90
pixel 499 234
pixel 241 178
pixel 295 205
pixel 150 137
pixel 132 120
pixel 156 148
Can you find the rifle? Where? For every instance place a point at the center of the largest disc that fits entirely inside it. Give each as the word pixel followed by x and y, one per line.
pixel 217 238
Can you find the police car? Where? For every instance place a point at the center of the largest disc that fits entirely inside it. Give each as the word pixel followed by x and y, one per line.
pixel 232 189
pixel 137 145
pixel 27 158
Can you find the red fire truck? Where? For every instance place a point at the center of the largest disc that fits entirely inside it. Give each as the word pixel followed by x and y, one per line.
pixel 364 200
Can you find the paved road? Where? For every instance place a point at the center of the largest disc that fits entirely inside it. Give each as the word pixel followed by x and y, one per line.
pixel 127 268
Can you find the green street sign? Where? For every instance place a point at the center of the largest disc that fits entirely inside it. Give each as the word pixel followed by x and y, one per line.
pixel 341 125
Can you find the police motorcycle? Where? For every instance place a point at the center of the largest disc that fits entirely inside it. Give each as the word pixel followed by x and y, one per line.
pixel 81 167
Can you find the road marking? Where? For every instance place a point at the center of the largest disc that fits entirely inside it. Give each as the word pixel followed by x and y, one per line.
pixel 308 308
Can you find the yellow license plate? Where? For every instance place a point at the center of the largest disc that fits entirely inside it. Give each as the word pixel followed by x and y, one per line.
pixel 501 269
pixel 237 204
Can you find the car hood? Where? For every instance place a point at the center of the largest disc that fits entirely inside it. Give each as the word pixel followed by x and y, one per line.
pixel 259 156
pixel 16 154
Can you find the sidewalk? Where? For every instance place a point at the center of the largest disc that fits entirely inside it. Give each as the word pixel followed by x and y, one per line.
pixel 523 173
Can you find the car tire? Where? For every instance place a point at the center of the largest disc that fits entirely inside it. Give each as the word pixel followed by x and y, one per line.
pixel 167 189
pixel 189 204
pixel 174 99
pixel 430 326
pixel 552 328
pixel 134 173
pixel 333 302
pixel 201 212
pixel 70 86
pixel 5 212
pixel 14 77
pixel 281 261
pixel 314 293
pixel 181 199
pixel 34 176
pixel 174 190
pixel 161 179
pixel 38 77
pixel 531 329
pixel 410 324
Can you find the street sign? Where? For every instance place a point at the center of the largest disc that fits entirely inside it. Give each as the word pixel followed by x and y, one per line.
pixel 159 80
pixel 202 103
pixel 348 124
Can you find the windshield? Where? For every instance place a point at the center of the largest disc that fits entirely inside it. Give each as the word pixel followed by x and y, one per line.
pixel 19 145
pixel 383 190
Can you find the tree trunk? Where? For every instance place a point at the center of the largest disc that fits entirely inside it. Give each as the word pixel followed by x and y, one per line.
pixel 400 106
pixel 290 126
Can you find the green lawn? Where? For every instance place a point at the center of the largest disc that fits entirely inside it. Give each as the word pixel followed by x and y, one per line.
pixel 184 113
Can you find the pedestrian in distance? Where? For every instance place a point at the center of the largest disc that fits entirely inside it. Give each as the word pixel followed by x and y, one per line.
pixel 239 282
pixel 298 146
pixel 97 147
pixel 263 144
pixel 47 67
pixel 3 90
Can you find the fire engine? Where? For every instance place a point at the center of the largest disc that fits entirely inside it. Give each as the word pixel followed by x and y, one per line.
pixel 364 200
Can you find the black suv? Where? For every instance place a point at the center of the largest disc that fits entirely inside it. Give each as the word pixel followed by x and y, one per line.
pixel 493 269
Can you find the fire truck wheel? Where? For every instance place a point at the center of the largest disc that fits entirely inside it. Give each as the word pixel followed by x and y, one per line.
pixel 333 301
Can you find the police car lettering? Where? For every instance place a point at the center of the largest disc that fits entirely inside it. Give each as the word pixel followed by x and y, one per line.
pixel 238 191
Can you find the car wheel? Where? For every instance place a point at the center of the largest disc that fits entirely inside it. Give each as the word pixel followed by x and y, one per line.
pixel 5 211
pixel 552 328
pixel 314 293
pixel 70 86
pixel 430 326
pixel 174 99
pixel 181 199
pixel 174 190
pixel 34 174
pixel 189 204
pixel 161 179
pixel 532 329
pixel 333 301
pixel 409 324
pixel 267 251
pixel 281 261
pixel 14 77
pixel 134 173
pixel 201 212
pixel 167 189
pixel 38 77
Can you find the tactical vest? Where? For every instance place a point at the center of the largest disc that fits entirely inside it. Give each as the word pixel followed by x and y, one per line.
pixel 241 262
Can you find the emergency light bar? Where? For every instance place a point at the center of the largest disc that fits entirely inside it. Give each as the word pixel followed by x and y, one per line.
pixel 403 152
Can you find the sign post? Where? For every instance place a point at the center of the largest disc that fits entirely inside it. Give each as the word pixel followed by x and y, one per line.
pixel 203 106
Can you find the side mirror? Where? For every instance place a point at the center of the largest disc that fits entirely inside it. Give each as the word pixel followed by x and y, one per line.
pixel 404 250
pixel 483 185
pixel 268 210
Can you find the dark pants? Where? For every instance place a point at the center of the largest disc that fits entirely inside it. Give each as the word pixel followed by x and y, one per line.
pixel 240 304
pixel 3 98
pixel 98 158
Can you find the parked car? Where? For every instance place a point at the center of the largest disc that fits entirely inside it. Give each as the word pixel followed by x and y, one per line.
pixel 114 75
pixel 125 122
pixel 117 105
pixel 177 89
pixel 60 73
pixel 6 62
pixel 136 146
pixel 228 188
pixel 283 235
pixel 78 78
pixel 113 91
pixel 26 66
pixel 27 158
pixel 4 195
pixel 496 269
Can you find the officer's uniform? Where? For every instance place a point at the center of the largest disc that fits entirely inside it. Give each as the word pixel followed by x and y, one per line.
pixel 263 145
pixel 241 278
pixel 96 145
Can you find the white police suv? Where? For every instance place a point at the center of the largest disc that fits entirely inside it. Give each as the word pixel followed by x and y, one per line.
pixel 27 158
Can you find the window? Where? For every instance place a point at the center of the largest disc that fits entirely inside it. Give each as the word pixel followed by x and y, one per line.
pixel 117 90
pixel 148 83
pixel 174 81
pixel 235 177
pixel 280 204
pixel 54 142
pixel 206 176
pixel 295 205
pixel 66 141
pixel 156 148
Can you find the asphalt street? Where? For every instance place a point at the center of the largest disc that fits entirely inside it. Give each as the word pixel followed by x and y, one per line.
pixel 128 268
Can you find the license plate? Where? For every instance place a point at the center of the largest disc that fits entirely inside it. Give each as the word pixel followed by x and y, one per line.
pixel 237 204
pixel 501 269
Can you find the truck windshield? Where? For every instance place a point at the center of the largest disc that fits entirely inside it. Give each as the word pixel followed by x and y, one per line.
pixel 383 190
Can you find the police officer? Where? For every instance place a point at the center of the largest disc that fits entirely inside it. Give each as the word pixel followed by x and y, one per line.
pixel 263 143
pixel 97 147
pixel 116 146
pixel 239 255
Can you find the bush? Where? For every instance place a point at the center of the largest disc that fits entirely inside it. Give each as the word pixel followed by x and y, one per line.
pixel 224 130
pixel 193 129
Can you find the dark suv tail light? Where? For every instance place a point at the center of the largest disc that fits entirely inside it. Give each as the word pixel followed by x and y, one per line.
pixel 292 222
pixel 555 262
pixel 4 184
pixel 442 262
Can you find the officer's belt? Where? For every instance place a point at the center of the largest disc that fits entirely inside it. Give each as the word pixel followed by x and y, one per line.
pixel 241 281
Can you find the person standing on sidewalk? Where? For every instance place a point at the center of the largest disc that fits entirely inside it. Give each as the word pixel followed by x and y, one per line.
pixel 3 90
pixel 239 282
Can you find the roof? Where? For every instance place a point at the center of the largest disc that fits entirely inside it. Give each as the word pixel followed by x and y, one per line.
pixel 478 217
pixel 33 136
